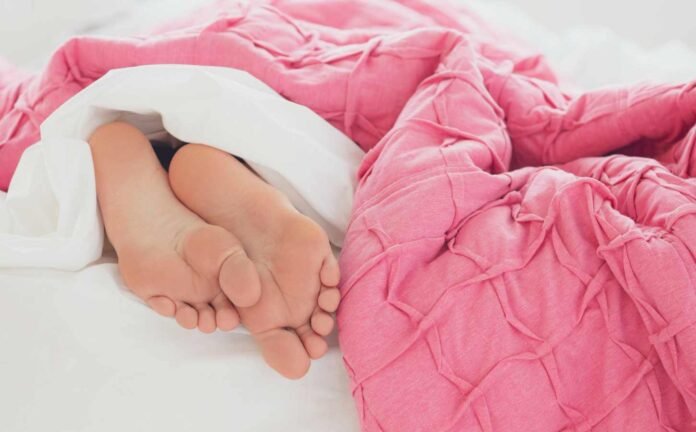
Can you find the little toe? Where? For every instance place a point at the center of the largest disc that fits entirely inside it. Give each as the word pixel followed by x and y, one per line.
pixel 186 316
pixel 322 323
pixel 239 279
pixel 284 352
pixel 226 315
pixel 330 273
pixel 206 318
pixel 315 345
pixel 329 299
pixel 162 305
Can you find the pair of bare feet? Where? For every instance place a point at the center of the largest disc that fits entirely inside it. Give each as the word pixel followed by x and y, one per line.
pixel 212 245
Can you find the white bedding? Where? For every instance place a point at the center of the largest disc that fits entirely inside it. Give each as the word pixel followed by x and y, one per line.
pixel 49 217
pixel 78 353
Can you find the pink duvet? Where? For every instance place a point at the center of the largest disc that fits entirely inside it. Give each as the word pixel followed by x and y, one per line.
pixel 519 259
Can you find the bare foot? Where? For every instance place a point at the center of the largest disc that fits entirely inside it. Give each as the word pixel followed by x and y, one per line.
pixel 292 254
pixel 168 256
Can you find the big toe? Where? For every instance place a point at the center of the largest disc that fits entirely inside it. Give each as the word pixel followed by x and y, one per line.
pixel 216 253
pixel 239 279
pixel 284 352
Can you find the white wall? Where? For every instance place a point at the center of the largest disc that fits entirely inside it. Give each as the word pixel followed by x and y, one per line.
pixel 31 29
pixel 649 22
pixel 31 26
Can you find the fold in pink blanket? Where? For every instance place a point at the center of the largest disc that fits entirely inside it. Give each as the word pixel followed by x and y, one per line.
pixel 519 259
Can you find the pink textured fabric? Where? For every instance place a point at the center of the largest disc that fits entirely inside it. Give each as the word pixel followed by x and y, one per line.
pixel 519 259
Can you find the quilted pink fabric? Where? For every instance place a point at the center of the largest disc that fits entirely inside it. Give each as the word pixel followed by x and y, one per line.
pixel 519 259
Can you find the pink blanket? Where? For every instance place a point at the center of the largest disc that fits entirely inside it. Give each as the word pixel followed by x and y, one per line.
pixel 519 259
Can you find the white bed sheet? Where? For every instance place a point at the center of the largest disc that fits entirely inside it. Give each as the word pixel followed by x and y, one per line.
pixel 77 353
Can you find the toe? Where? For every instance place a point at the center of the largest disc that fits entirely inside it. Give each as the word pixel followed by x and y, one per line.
pixel 206 318
pixel 226 315
pixel 322 323
pixel 186 316
pixel 314 344
pixel 330 274
pixel 215 253
pixel 239 279
pixel 329 299
pixel 162 305
pixel 284 352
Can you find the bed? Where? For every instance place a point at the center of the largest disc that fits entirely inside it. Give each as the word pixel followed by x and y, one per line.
pixel 79 353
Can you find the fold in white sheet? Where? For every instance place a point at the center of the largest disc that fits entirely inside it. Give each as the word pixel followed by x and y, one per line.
pixel 49 217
